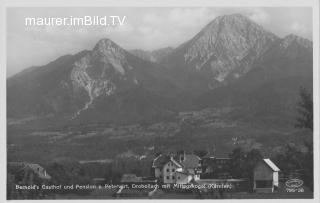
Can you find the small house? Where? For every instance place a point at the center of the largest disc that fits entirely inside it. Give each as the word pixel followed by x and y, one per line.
pixel 266 176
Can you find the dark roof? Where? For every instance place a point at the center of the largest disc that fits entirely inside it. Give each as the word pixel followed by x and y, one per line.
pixel 14 167
pixel 160 160
pixel 271 164
pixel 41 172
pixel 190 161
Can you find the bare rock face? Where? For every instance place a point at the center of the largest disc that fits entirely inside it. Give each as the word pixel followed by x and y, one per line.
pixel 291 47
pixel 291 39
pixel 223 51
pixel 98 71
pixel 107 81
pixel 107 52
pixel 227 43
pixel 93 86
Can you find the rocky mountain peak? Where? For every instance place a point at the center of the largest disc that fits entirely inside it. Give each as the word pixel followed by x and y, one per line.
pixel 232 19
pixel 109 52
pixel 227 43
pixel 234 22
pixel 96 72
pixel 110 56
pixel 232 56
pixel 105 44
pixel 294 39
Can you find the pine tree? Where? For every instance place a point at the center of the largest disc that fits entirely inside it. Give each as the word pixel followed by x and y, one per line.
pixel 305 110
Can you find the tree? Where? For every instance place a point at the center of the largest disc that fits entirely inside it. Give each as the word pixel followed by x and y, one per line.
pixel 290 159
pixel 200 152
pixel 305 120
pixel 305 110
pixel 243 162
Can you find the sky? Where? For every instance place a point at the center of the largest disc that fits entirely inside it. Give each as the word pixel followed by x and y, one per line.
pixel 143 28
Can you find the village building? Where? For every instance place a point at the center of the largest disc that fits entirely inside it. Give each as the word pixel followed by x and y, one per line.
pixel 130 178
pixel 184 177
pixel 26 174
pixel 157 166
pixel 213 167
pixel 36 169
pixel 187 168
pixel 190 162
pixel 266 176
pixel 39 170
pixel 169 170
pixel 181 169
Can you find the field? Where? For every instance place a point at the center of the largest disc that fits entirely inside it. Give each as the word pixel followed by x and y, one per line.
pixel 209 129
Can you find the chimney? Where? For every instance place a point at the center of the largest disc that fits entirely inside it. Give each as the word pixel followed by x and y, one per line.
pixel 171 155
pixel 182 156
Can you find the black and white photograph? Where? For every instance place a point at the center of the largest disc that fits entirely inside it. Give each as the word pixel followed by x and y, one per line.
pixel 161 102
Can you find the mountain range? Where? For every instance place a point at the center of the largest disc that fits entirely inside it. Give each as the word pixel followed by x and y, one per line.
pixel 231 62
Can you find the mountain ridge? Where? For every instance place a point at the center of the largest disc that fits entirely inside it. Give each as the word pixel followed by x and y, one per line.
pixel 229 54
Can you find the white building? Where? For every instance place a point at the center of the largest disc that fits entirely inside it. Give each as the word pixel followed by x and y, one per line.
pixel 168 170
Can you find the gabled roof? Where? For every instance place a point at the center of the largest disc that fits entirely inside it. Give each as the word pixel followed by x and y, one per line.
pixel 271 164
pixel 15 167
pixel 36 168
pixel 160 160
pixel 175 162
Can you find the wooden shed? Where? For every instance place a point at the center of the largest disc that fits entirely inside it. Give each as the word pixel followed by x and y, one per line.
pixel 266 176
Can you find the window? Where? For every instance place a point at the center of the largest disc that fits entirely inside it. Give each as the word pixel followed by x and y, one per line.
pixel 167 170
pixel 167 177
pixel 172 177
pixel 173 170
pixel 179 177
